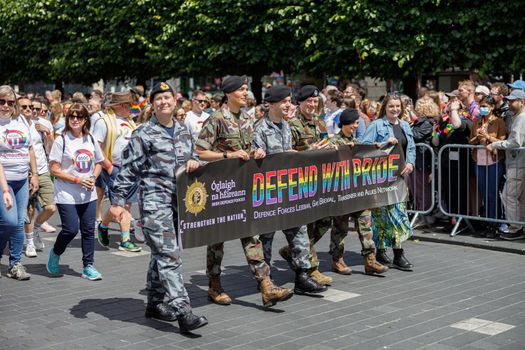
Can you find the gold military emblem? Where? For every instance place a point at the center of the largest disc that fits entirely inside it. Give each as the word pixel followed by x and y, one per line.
pixel 196 197
pixel 164 86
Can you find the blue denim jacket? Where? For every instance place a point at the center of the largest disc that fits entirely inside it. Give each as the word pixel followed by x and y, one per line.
pixel 381 130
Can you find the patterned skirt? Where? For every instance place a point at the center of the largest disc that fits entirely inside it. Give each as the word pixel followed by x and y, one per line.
pixel 391 225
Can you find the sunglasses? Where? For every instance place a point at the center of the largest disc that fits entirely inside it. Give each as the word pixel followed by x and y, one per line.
pixel 201 101
pixel 394 94
pixel 77 117
pixel 10 103
pixel 26 107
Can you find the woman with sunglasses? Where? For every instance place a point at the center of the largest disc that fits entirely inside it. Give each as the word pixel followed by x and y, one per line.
pixel 17 157
pixel 75 163
pixel 391 225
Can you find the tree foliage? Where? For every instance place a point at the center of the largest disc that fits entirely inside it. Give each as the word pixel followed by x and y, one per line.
pixel 85 40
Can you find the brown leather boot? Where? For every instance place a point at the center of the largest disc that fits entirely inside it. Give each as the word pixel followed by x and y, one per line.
pixel 339 266
pixel 319 277
pixel 372 266
pixel 271 294
pixel 286 254
pixel 216 293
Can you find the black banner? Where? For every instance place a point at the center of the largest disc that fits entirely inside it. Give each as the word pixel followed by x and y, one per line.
pixel 230 199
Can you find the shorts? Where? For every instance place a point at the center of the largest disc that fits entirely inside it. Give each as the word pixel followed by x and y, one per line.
pixel 46 190
pixel 110 179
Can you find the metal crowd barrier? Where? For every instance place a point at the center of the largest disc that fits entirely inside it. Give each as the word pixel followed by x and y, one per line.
pixel 467 191
pixel 421 183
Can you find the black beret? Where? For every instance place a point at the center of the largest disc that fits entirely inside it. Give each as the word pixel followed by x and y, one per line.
pixel 306 92
pixel 348 116
pixel 277 93
pixel 232 83
pixel 160 88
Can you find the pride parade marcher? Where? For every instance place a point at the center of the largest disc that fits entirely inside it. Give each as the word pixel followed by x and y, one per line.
pixel 348 124
pixel 227 134
pixel 113 131
pixel 17 157
pixel 391 224
pixel 156 150
pixel 272 135
pixel 309 132
pixel 75 162
pixel 42 136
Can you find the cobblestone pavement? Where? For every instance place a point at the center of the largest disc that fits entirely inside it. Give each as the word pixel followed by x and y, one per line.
pixel 457 298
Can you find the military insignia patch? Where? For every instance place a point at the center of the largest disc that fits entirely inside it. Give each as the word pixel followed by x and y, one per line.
pixel 164 86
pixel 196 197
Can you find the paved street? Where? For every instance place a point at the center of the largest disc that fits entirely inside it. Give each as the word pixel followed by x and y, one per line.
pixel 457 298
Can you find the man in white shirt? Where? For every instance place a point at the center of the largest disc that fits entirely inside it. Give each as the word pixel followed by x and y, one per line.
pixel 196 117
pixel 42 135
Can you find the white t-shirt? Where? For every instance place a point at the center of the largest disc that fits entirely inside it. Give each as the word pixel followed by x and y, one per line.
pixel 15 140
pixel 194 122
pixel 93 119
pixel 38 146
pixel 79 159
pixel 124 131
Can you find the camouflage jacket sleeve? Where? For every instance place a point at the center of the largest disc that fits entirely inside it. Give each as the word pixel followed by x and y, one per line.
pixel 133 161
pixel 296 131
pixel 209 133
pixel 259 137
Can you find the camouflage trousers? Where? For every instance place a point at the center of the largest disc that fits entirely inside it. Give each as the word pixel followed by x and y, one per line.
pixel 339 226
pixel 298 242
pixel 164 276
pixel 253 251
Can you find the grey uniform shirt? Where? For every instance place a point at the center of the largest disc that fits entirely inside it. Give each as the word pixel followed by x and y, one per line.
pixel 152 158
pixel 270 137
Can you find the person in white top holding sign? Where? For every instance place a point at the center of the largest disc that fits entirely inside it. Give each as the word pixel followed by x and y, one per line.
pixel 17 157
pixel 75 162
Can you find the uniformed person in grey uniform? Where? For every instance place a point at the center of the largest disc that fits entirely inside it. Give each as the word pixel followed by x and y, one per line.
pixel 154 154
pixel 272 135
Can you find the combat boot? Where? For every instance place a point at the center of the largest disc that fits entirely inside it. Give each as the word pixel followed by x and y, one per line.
pixel 271 294
pixel 319 278
pixel 383 258
pixel 160 311
pixel 216 293
pixel 305 285
pixel 339 266
pixel 189 322
pixel 372 266
pixel 400 262
pixel 286 254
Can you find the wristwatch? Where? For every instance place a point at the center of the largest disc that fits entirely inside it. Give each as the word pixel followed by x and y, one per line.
pixel 225 155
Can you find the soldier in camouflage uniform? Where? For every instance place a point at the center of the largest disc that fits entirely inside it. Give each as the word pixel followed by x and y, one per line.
pixel 348 123
pixel 227 134
pixel 272 135
pixel 155 147
pixel 308 132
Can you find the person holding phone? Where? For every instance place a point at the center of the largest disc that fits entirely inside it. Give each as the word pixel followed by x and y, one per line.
pixel 75 162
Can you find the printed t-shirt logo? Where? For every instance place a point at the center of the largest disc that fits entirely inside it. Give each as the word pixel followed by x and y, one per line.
pixel 16 139
pixel 126 130
pixel 83 161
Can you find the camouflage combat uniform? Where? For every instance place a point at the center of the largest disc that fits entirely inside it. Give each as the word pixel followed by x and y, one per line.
pixel 150 157
pixel 273 139
pixel 225 132
pixel 304 133
pixel 339 224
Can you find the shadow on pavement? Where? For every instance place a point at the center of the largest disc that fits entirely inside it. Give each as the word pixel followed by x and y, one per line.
pixel 125 310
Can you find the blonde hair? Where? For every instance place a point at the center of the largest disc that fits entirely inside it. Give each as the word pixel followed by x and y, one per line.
pixel 6 90
pixel 426 107
pixel 56 95
pixel 469 84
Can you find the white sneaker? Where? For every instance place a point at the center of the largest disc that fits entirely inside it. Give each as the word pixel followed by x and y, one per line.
pixel 47 228
pixel 30 251
pixel 39 245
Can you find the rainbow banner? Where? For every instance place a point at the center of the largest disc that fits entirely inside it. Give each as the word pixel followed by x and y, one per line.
pixel 231 198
